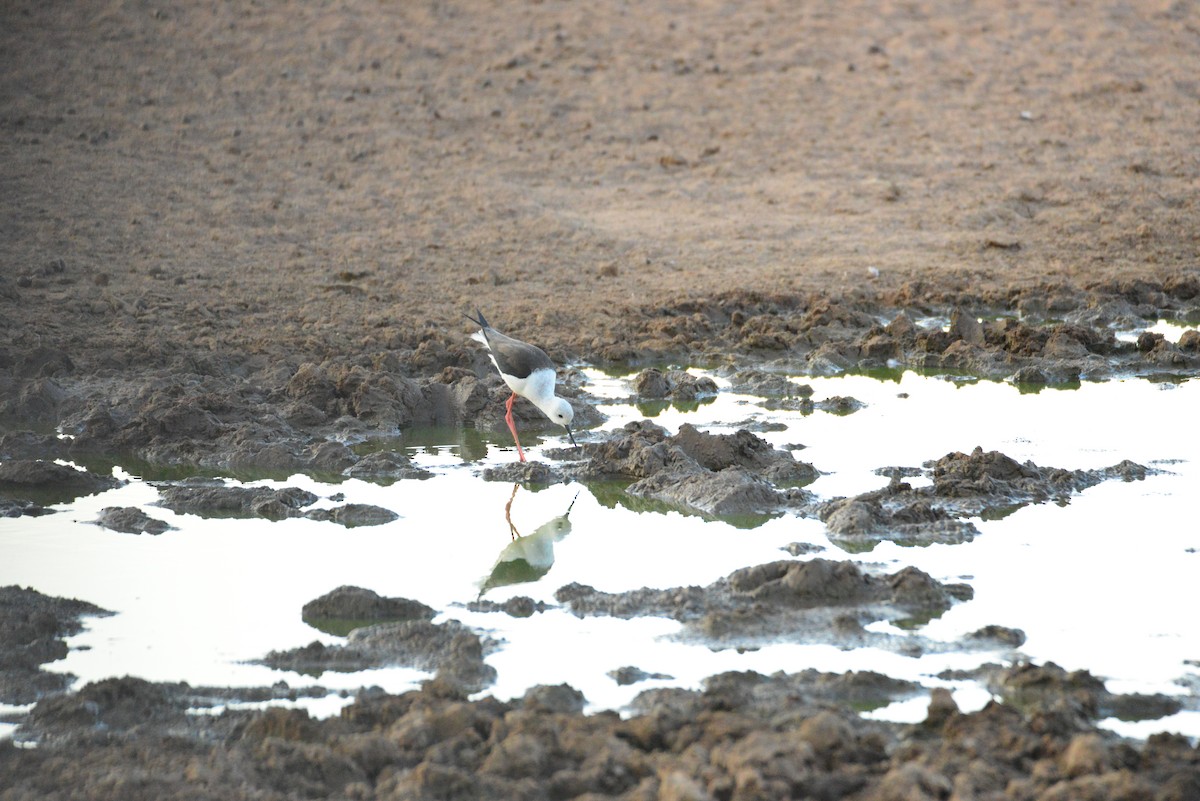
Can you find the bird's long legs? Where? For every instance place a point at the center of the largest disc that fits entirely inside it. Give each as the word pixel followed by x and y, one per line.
pixel 508 418
pixel 508 512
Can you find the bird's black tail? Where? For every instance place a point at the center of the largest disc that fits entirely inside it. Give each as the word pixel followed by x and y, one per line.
pixel 481 322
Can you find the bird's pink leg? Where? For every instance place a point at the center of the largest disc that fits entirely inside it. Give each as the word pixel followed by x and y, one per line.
pixel 508 513
pixel 508 418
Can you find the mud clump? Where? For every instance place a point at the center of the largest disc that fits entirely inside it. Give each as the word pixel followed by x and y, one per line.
pixel 217 500
pixel 49 482
pixel 352 515
pixel 32 629
pixel 1072 699
pixel 629 674
pixel 450 650
pixel 767 385
pixel 526 472
pixel 817 600
pixel 107 708
pixel 714 474
pixel 210 499
pixel 386 467
pixel 963 486
pixel 130 520
pixel 346 608
pixel 677 385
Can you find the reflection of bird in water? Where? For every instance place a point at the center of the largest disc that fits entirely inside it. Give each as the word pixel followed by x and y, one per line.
pixel 529 373
pixel 527 558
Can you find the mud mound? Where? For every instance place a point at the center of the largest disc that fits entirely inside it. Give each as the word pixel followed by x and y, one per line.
pixel 714 474
pixel 817 600
pixel 963 486
pixel 49 482
pixel 743 735
pixel 346 608
pixel 130 520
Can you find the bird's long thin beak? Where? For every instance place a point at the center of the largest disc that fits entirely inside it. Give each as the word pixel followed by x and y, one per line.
pixel 571 436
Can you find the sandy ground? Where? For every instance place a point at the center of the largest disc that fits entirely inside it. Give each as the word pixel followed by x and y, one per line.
pixel 250 180
pixel 197 200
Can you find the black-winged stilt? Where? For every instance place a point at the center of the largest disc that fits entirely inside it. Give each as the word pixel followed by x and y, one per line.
pixel 528 372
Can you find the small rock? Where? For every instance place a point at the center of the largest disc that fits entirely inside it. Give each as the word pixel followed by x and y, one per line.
pixel 632 675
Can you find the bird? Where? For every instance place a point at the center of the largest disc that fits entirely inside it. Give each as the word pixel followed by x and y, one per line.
pixel 528 372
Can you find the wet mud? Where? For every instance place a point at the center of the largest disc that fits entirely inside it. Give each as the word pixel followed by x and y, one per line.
pixel 813 601
pixel 213 499
pixel 34 627
pixel 962 486
pixel 744 735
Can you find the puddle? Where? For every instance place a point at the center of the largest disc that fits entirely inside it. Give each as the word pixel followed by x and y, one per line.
pixel 1105 582
pixel 1171 330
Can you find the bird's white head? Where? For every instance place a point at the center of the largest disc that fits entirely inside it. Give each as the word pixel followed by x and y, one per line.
pixel 559 411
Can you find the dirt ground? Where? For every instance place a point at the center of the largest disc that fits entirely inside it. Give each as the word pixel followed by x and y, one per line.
pixel 224 227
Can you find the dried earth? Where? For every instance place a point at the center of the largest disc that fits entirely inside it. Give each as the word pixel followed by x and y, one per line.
pixel 237 237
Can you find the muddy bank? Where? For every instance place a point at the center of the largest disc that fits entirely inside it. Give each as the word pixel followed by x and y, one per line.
pixel 305 416
pixel 33 627
pixel 743 736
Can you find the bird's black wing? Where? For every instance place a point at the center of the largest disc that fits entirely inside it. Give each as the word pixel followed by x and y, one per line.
pixel 514 357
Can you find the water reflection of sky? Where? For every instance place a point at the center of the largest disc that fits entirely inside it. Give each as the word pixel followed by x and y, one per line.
pixel 1106 582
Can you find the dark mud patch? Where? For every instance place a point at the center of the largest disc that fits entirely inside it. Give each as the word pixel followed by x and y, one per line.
pixel 344 609
pixel 128 709
pixel 47 482
pixel 10 507
pixel 630 674
pixel 130 520
pixel 32 631
pixel 720 475
pixel 215 500
pixel 978 484
pixel 517 606
pixel 1074 694
pixel 450 650
pixel 813 601
pixel 386 467
pixel 675 385
pixel 712 474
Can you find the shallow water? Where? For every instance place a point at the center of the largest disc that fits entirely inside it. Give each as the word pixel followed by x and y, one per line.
pixel 1106 582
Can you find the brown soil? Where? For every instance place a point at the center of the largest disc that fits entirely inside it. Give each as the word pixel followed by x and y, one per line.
pixel 217 189
pixel 245 223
